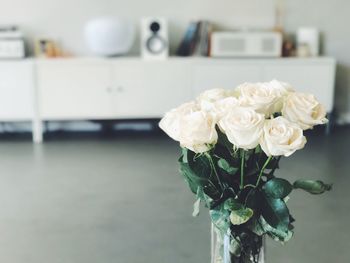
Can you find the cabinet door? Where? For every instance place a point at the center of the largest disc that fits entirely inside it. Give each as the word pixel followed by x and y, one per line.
pixel 74 89
pixel 147 89
pixel 16 89
pixel 224 75
pixel 314 78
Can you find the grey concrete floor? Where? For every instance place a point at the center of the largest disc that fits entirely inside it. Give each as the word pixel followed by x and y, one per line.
pixel 120 199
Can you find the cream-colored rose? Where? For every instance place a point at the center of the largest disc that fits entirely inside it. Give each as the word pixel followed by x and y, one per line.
pixel 243 127
pixel 258 96
pixel 192 127
pixel 304 109
pixel 281 90
pixel 281 137
pixel 208 98
pixel 170 123
pixel 223 106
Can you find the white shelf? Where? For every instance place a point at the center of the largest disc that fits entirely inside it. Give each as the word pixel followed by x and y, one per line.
pixel 81 88
pixel 178 58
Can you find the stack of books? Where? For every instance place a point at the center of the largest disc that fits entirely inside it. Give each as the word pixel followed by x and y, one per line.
pixel 196 41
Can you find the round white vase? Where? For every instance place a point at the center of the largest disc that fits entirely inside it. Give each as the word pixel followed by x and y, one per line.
pixel 109 36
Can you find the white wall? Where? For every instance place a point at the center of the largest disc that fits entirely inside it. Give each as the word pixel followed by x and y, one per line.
pixel 333 19
pixel 65 19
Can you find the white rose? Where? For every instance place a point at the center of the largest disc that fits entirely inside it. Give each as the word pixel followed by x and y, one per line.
pixel 207 99
pixel 281 89
pixel 170 123
pixel 243 127
pixel 304 109
pixel 224 106
pixel 281 137
pixel 258 96
pixel 193 128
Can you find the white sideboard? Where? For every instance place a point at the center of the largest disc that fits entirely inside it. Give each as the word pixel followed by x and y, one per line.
pixel 313 75
pixel 16 91
pixel 132 88
pixel 109 89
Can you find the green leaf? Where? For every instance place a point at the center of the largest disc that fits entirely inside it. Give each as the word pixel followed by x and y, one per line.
pixel 221 219
pixel 261 227
pixel 204 197
pixel 275 233
pixel 224 165
pixel 275 212
pixel 197 172
pixel 232 204
pixel 193 181
pixel 184 155
pixel 256 227
pixel 200 165
pixel 277 188
pixel 258 149
pixel 241 216
pixel 235 247
pixel 253 199
pixel 311 186
pixel 196 207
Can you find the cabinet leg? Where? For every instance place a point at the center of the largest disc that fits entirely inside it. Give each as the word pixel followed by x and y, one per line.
pixel 328 129
pixel 37 131
pixel 330 123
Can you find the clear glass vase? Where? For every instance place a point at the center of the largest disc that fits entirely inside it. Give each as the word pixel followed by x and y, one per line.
pixel 223 249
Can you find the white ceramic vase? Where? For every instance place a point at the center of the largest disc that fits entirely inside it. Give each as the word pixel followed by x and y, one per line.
pixel 109 36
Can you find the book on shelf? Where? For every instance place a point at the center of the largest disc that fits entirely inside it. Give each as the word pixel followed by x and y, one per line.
pixel 196 40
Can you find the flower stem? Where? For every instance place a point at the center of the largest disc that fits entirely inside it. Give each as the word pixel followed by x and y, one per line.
pixel 249 185
pixel 242 170
pixel 262 170
pixel 275 167
pixel 214 169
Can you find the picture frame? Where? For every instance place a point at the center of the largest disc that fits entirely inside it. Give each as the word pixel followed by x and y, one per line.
pixel 47 48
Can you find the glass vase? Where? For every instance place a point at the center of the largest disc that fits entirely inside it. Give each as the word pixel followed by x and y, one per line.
pixel 224 250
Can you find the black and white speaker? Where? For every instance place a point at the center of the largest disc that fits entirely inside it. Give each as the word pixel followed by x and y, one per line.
pixel 154 38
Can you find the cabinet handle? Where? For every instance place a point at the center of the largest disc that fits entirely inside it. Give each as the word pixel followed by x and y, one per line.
pixel 120 89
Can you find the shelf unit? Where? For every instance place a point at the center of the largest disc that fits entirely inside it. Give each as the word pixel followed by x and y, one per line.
pixel 40 90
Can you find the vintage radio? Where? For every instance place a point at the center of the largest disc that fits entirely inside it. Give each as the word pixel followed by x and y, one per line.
pixel 246 44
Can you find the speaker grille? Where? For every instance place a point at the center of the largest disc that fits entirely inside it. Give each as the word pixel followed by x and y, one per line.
pixel 268 44
pixel 237 45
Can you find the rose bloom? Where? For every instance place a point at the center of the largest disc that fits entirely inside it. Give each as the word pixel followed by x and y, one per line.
pixel 304 109
pixel 192 127
pixel 208 98
pixel 259 96
pixel 281 90
pixel 243 127
pixel 224 106
pixel 281 137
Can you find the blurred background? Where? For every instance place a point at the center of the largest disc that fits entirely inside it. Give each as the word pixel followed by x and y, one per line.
pixel 87 175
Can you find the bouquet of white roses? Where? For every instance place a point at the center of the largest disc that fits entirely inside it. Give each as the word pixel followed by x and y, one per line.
pixel 232 141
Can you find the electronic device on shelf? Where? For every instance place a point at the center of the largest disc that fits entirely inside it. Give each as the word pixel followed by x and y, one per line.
pixel 308 41
pixel 11 43
pixel 246 44
pixel 154 38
